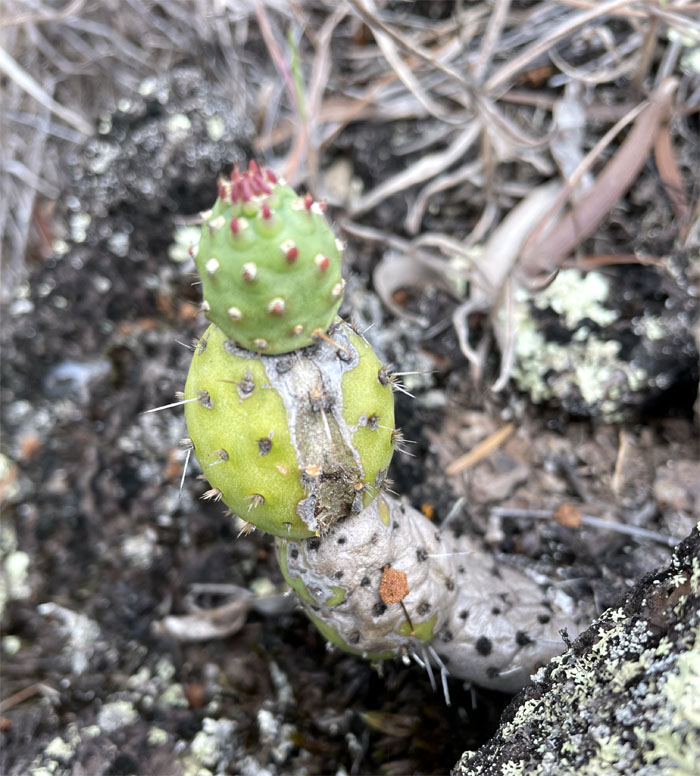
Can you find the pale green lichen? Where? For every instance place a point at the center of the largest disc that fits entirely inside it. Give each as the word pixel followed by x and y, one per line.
pixel 587 369
pixel 157 737
pixel 79 631
pixel 628 702
pixel 211 748
pixel 185 242
pixel 11 645
pixel 576 296
pixel 173 697
pixel 677 739
pixel 216 128
pixel 58 749
pixel 116 715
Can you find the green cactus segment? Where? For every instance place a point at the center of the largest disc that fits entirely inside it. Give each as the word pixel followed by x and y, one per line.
pixel 384 512
pixel 425 631
pixel 372 418
pixel 296 583
pixel 232 430
pixel 272 437
pixel 270 264
pixel 334 637
pixel 337 598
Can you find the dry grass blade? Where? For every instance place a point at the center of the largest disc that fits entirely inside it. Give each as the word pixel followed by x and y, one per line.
pixel 493 30
pixel 672 179
pixel 518 63
pixel 547 252
pixel 578 173
pixel 375 22
pixel 25 81
pixel 403 71
pixel 481 451
pixel 424 169
pixel 321 71
pixel 45 16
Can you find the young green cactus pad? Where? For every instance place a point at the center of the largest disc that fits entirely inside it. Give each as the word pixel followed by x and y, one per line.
pixel 270 264
pixel 291 442
pixel 478 619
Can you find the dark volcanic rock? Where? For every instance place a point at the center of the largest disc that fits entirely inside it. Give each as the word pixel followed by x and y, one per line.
pixel 625 698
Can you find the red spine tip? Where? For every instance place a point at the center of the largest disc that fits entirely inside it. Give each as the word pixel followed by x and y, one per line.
pixel 235 173
pixel 308 201
pixel 271 177
pixel 245 189
pixel 255 185
pixel 292 254
pixel 266 212
pixel 235 226
pixel 222 191
pixel 324 263
pixel 236 191
pixel 253 167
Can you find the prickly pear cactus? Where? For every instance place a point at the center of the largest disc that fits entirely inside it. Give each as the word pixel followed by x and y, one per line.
pixel 291 418
pixel 269 264
pixel 292 442
pixel 387 583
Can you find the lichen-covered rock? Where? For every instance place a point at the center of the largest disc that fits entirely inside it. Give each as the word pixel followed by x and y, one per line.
pixel 291 442
pixel 458 606
pixel 625 698
pixel 270 264
pixel 604 344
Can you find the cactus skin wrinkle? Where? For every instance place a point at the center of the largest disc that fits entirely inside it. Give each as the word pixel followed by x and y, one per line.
pixel 270 264
pixel 291 417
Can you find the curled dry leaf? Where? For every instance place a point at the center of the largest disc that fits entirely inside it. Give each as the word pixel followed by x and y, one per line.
pixel 394 272
pixel 206 624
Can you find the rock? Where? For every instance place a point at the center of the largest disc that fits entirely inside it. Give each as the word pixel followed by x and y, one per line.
pixel 624 698
pixel 677 486
pixel 604 344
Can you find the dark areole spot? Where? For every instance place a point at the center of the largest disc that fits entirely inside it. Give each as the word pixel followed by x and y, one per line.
pixel 378 609
pixel 483 646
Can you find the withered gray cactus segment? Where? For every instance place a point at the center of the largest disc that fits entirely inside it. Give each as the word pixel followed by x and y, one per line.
pixel 489 623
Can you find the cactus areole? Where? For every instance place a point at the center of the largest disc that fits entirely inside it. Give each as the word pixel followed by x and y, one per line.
pixel 269 264
pixel 291 417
